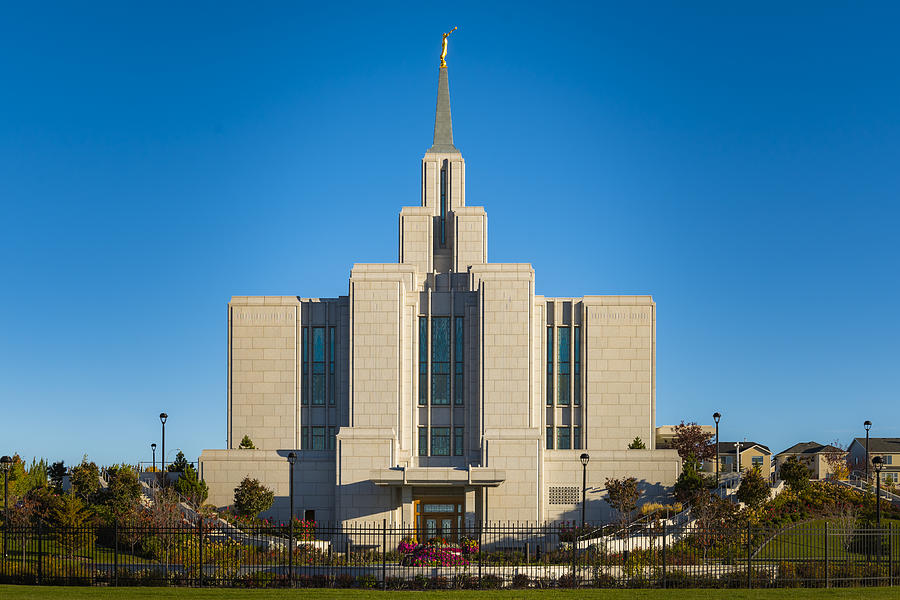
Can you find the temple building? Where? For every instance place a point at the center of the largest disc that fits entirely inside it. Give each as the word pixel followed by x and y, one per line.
pixel 442 388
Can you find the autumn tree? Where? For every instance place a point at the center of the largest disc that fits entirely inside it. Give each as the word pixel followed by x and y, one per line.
pixel 693 444
pixel 795 474
pixel 838 460
pixel 754 489
pixel 85 480
pixel 69 517
pixel 622 495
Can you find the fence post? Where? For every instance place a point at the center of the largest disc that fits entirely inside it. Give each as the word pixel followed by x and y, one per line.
pixel 200 550
pixel 384 554
pixel 827 562
pixel 40 537
pixel 664 555
pixel 749 575
pixel 480 549
pixel 891 554
pixel 116 559
pixel 291 550
pixel 574 556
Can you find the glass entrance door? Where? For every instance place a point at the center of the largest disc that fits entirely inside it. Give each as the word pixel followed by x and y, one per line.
pixel 439 517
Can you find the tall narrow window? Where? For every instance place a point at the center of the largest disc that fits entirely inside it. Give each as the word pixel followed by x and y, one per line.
pixel 550 371
pixel 562 378
pixel 562 438
pixel 304 438
pixel 549 438
pixel 458 356
pixel 576 437
pixel 318 374
pixel 458 441
pixel 331 390
pixel 440 441
pixel 332 438
pixel 318 438
pixel 443 207
pixel 440 360
pixel 423 361
pixel 423 441
pixel 577 360
pixel 304 379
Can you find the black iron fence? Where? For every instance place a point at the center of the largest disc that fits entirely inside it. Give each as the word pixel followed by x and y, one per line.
pixel 383 556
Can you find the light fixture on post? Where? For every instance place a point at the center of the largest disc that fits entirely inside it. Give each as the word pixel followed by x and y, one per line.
pixel 5 462
pixel 292 458
pixel 868 425
pixel 162 460
pixel 877 464
pixel 716 417
pixel 585 458
pixel 153 449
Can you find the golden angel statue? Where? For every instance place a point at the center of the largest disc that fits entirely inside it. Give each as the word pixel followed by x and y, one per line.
pixel 444 47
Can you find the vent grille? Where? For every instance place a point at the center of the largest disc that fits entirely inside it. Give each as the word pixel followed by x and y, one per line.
pixel 565 495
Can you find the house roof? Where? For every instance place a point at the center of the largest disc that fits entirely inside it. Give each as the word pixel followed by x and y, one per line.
pixel 729 447
pixel 883 445
pixel 810 448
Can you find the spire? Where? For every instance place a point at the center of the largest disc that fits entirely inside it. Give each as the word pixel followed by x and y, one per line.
pixel 443 126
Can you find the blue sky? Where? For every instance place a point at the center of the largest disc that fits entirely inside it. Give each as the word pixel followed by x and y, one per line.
pixel 738 162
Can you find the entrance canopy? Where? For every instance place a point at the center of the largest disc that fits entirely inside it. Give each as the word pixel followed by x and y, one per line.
pixel 438 477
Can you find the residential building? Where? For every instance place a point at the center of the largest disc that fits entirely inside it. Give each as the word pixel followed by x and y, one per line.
pixel 814 455
pixel 734 456
pixel 888 448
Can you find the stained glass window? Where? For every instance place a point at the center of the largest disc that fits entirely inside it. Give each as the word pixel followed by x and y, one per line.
pixel 332 437
pixel 304 380
pixel 423 361
pixel 550 369
pixel 318 375
pixel 318 438
pixel 458 381
pixel 440 441
pixel 304 438
pixel 423 441
pixel 549 438
pixel 562 438
pixel 440 360
pixel 562 378
pixel 331 390
pixel 458 441
pixel 576 437
pixel 577 360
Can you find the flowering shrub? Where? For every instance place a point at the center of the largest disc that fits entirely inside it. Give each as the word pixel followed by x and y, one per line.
pixel 434 552
pixel 468 545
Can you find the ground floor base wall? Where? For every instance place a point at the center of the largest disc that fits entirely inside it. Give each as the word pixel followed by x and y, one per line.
pixel 223 471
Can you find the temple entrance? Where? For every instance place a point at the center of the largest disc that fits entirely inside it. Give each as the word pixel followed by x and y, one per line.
pixel 439 516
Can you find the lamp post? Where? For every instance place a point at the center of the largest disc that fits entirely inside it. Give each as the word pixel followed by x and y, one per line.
pixel 868 426
pixel 5 461
pixel 878 464
pixel 716 417
pixel 162 460
pixel 292 458
pixel 584 462
pixel 153 448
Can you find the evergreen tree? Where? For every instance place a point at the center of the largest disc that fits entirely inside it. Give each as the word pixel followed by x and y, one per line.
pixel 754 489
pixel 252 498
pixel 246 443
pixel 192 487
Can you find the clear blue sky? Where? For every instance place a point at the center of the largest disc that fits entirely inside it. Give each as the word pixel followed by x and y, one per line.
pixel 739 163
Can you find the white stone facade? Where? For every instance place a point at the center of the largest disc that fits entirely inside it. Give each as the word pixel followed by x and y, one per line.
pixel 441 382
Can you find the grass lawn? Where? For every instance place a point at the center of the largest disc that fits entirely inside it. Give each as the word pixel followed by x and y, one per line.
pixel 807 540
pixel 13 592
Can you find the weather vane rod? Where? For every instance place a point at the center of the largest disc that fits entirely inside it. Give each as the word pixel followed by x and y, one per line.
pixel 444 47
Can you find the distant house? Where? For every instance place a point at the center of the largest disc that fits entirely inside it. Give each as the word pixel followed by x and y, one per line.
pixel 813 454
pixel 743 456
pixel 665 435
pixel 887 448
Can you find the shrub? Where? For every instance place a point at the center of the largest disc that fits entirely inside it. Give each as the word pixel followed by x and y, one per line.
pixel 491 582
pixel 521 581
pixel 367 581
pixel 251 497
